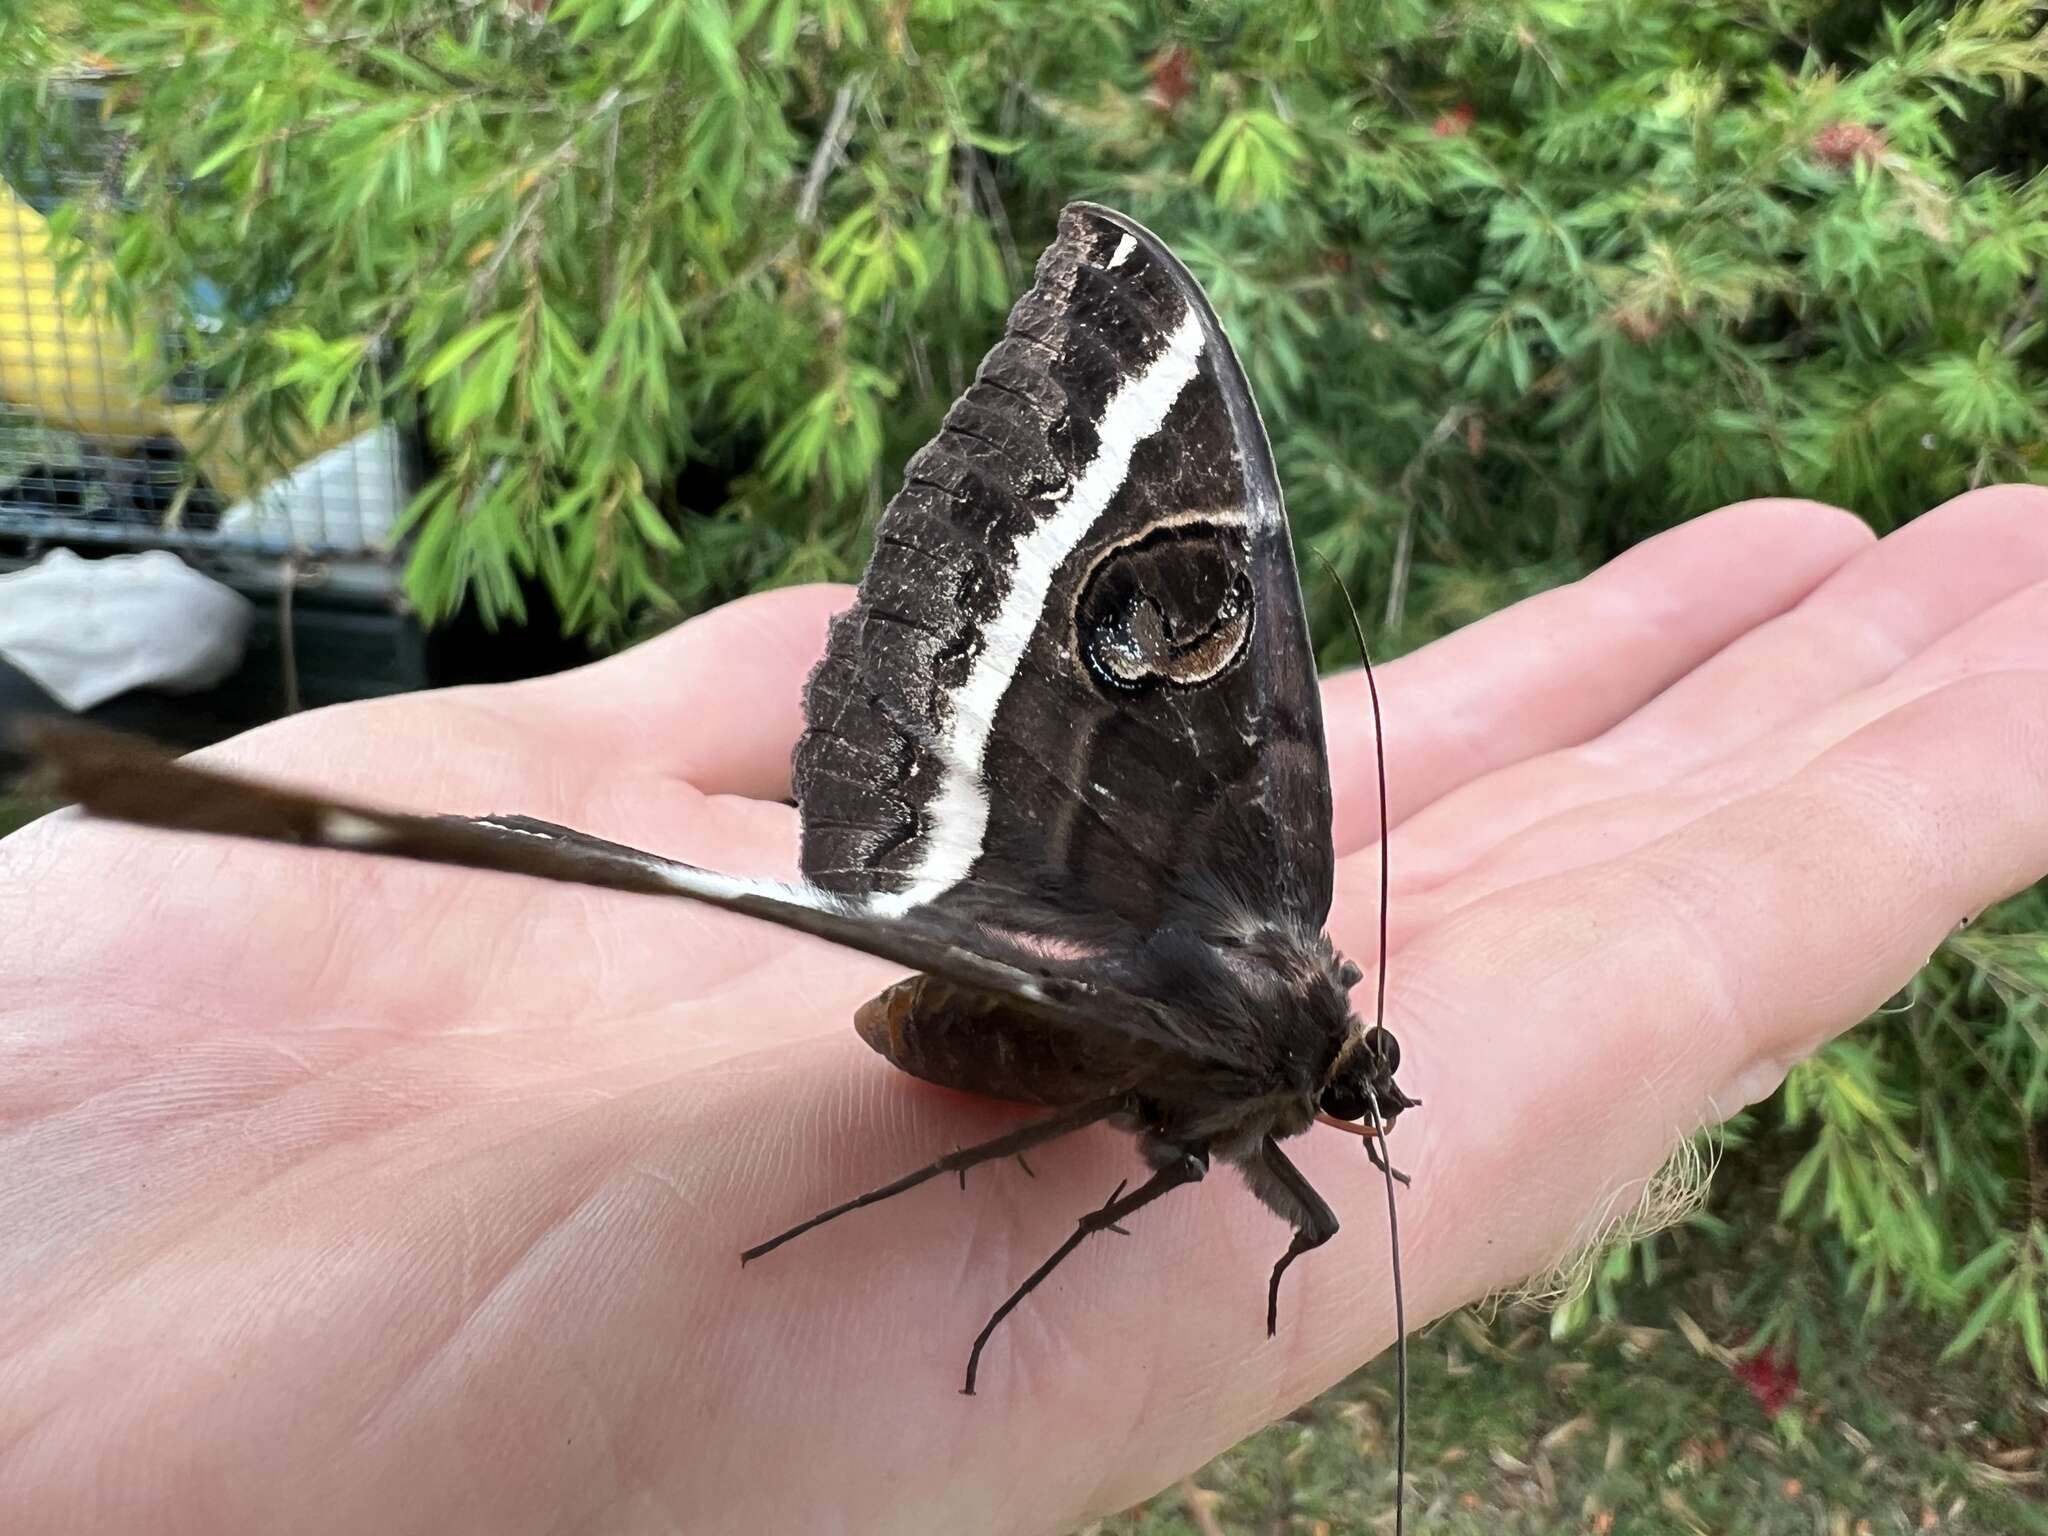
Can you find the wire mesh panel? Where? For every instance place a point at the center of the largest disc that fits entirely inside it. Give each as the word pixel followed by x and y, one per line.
pixel 96 449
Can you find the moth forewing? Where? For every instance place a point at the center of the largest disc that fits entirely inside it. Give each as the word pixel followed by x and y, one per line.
pixel 1076 698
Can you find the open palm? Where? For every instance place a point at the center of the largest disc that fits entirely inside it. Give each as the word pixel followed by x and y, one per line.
pixel 343 1195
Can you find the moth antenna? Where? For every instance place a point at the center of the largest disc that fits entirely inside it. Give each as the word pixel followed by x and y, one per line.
pixel 1379 752
pixel 1379 1019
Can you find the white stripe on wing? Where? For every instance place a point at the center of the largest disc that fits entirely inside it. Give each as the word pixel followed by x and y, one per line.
pixel 957 816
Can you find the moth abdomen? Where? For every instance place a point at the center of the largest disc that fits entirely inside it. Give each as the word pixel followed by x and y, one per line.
pixel 977 1042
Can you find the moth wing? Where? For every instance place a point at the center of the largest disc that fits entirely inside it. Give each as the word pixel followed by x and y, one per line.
pixel 120 778
pixel 1076 689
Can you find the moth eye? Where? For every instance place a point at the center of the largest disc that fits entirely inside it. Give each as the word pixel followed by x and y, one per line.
pixel 1350 974
pixel 1343 1102
pixel 1384 1048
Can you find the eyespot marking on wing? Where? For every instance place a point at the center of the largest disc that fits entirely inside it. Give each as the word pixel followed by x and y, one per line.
pixel 1171 605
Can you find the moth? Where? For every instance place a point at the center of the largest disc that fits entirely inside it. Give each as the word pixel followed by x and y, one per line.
pixel 1063 759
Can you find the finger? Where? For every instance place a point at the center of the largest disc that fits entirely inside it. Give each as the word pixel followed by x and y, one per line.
pixel 716 701
pixel 1563 666
pixel 1897 598
pixel 1602 1013
pixel 1891 602
pixel 2013 636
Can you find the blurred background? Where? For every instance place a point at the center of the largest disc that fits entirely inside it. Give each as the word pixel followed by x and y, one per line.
pixel 349 346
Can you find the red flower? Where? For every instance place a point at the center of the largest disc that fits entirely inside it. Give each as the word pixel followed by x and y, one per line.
pixel 1772 1378
pixel 1455 122
pixel 1840 144
pixel 1173 77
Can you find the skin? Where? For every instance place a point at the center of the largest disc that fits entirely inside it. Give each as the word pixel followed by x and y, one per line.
pixel 338 1195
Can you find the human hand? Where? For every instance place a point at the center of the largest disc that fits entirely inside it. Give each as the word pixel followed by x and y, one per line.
pixel 344 1195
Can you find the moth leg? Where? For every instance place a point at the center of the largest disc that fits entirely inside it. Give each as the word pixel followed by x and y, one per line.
pixel 1023 1139
pixel 1379 1161
pixel 1184 1167
pixel 1281 1185
pixel 1020 1163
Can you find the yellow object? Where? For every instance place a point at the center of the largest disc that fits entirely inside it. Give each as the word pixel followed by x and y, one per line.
pixel 79 369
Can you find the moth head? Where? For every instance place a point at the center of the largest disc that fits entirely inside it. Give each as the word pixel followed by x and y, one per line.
pixel 1361 1080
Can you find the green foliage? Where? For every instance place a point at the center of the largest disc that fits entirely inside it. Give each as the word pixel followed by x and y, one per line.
pixel 675 286
pixel 17 812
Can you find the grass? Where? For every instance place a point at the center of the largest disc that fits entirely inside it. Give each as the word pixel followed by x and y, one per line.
pixel 1638 1429
pixel 18 811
